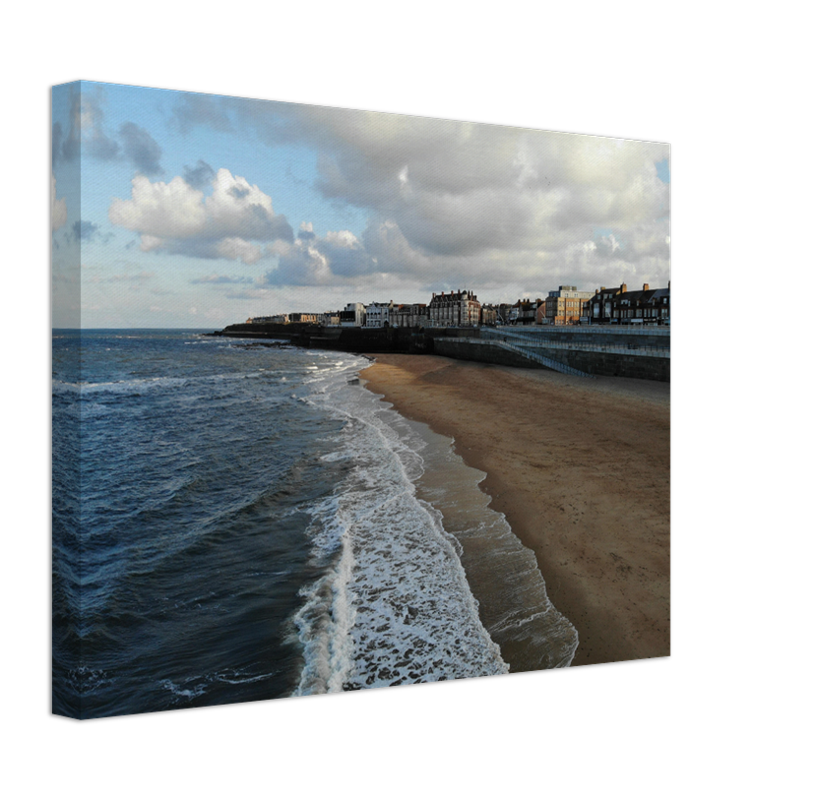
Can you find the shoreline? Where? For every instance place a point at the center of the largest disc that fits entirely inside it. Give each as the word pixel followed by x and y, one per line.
pixel 581 471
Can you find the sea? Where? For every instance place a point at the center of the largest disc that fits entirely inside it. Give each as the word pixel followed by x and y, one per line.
pixel 238 520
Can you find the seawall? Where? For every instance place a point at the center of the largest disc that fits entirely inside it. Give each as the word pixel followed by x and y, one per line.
pixel 348 340
pixel 611 362
pixel 615 352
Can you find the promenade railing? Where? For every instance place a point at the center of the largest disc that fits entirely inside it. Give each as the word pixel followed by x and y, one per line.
pixel 621 330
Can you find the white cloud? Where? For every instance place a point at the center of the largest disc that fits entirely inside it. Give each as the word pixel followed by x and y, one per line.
pixel 149 242
pixel 161 210
pixel 342 239
pixel 299 264
pixel 465 200
pixel 235 248
pixel 237 208
pixel 462 203
pixel 386 243
pixel 608 245
pixel 336 258
pixel 177 218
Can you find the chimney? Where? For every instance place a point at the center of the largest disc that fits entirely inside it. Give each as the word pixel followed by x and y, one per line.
pixel 624 288
pixel 645 287
pixel 602 288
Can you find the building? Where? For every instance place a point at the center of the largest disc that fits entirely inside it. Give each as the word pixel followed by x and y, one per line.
pixel 504 313
pixel 646 307
pixel 275 319
pixel 656 308
pixel 330 319
pixel 305 318
pixel 410 315
pixel 641 307
pixel 565 306
pixel 525 312
pixel 489 315
pixel 454 309
pixel 378 315
pixel 600 305
pixel 353 316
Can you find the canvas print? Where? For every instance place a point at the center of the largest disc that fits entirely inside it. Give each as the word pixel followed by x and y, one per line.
pixel 346 400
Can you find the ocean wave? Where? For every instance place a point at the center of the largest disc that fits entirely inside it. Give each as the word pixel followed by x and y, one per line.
pixel 394 605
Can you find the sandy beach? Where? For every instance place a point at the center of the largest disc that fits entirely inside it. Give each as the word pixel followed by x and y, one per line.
pixel 580 468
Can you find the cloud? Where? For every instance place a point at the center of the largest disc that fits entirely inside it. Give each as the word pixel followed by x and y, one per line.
pixel 649 245
pixel 306 232
pixel 237 208
pixel 59 210
pixel 439 192
pixel 236 249
pixel 161 210
pixel 346 255
pixel 299 264
pixel 84 230
pixel 87 128
pixel 200 176
pixel 607 245
pixel 132 278
pixel 222 279
pixel 313 260
pixel 87 134
pixel 386 243
pixel 56 143
pixel 465 201
pixel 176 218
pixel 201 109
pixel 141 148
pixel 84 128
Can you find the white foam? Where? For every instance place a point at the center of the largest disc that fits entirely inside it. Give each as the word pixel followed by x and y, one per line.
pixel 515 607
pixel 394 605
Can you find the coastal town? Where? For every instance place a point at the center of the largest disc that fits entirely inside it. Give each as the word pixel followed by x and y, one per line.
pixel 563 306
pixel 616 331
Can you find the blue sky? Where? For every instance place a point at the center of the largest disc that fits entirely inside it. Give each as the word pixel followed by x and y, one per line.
pixel 202 210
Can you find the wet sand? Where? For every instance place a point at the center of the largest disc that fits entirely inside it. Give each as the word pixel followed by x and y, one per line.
pixel 580 468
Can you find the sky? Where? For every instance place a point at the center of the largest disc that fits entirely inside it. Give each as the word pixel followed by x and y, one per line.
pixel 175 209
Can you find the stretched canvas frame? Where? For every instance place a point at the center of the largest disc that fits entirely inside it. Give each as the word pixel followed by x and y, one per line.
pixel 131 145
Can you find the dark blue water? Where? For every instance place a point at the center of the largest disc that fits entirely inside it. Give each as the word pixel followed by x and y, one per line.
pixel 195 463
pixel 235 520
